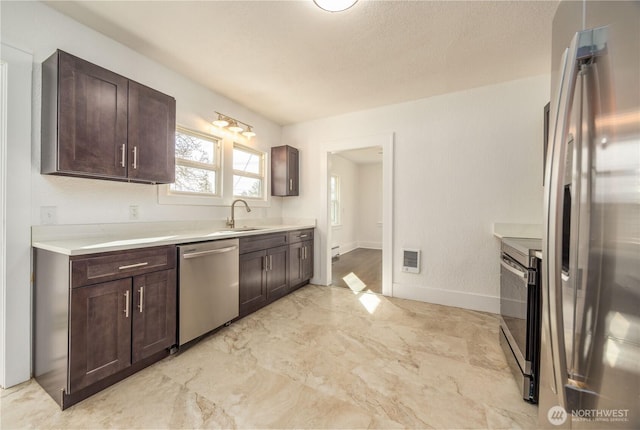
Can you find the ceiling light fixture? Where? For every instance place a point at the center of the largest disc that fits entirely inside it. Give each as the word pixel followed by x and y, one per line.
pixel 233 125
pixel 334 5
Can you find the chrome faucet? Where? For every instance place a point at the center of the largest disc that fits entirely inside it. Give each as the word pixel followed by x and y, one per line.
pixel 231 222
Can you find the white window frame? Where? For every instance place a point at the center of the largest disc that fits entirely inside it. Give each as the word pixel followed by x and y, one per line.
pixel 335 203
pixel 214 167
pixel 168 196
pixel 262 176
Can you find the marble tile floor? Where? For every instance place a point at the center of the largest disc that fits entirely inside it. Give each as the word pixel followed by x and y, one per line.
pixel 322 358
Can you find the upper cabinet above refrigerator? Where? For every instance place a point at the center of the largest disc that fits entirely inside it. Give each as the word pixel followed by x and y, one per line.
pixel 98 124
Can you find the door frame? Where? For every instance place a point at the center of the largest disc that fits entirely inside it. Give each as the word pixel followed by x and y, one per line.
pixel 386 141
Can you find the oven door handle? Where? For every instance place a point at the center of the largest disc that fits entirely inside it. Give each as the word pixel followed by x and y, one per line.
pixel 510 268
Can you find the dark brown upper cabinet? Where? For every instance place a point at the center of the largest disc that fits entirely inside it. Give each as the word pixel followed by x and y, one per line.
pixel 98 124
pixel 284 171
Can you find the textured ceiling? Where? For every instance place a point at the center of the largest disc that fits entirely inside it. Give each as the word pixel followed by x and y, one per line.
pixel 292 62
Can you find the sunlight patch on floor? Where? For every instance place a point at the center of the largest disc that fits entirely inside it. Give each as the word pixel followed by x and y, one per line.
pixel 370 301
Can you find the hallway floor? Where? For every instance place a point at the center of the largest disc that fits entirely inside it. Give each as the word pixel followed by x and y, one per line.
pixel 359 270
pixel 321 357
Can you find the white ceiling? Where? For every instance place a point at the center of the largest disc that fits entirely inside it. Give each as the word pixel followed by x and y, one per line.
pixel 292 62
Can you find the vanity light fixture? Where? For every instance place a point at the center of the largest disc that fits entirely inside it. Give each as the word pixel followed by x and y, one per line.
pixel 248 132
pixel 233 125
pixel 221 121
pixel 334 5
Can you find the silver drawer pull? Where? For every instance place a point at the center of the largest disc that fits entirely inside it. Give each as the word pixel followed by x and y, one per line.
pixel 141 292
pixel 122 163
pixel 131 266
pixel 303 235
pixel 126 304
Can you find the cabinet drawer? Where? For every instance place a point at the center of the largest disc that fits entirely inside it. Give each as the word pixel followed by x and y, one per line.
pixel 263 241
pixel 300 235
pixel 87 270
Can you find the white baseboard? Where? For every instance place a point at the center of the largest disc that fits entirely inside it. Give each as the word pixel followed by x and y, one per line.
pixel 370 245
pixel 459 299
pixel 347 247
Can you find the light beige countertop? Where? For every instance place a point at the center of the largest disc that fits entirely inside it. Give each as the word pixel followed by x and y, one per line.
pixel 82 239
pixel 521 231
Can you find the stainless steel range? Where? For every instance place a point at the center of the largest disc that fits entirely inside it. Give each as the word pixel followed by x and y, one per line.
pixel 520 311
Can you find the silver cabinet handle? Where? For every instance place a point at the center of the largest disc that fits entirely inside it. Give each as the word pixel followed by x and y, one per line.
pixel 510 268
pixel 131 266
pixel 271 262
pixel 304 252
pixel 141 304
pixel 209 252
pixel 122 163
pixel 290 184
pixel 265 263
pixel 301 236
pixel 135 157
pixel 126 304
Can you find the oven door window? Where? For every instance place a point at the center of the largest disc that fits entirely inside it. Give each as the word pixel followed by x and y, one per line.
pixel 514 290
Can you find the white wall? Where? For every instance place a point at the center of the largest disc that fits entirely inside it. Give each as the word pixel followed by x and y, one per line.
pixel 462 162
pixel 370 205
pixel 38 30
pixel 345 234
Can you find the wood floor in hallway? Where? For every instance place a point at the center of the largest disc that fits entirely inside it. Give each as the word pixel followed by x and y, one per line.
pixel 360 270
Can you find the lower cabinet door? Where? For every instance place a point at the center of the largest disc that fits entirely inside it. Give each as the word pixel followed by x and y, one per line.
pixel 100 332
pixel 307 262
pixel 154 313
pixel 253 291
pixel 296 275
pixel 277 272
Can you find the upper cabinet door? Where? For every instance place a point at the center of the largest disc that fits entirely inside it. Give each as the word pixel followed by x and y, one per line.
pixel 152 128
pixel 284 171
pixel 92 118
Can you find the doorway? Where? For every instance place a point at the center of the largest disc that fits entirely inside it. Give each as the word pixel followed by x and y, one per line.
pixel 355 196
pixel 386 142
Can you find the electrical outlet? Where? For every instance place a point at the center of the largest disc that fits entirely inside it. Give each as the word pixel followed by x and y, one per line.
pixel 134 212
pixel 48 215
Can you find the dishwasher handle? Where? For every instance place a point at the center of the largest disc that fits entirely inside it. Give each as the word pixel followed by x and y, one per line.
pixel 209 252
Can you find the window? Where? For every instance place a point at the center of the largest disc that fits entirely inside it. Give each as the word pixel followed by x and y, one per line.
pixel 197 164
pixel 334 190
pixel 248 172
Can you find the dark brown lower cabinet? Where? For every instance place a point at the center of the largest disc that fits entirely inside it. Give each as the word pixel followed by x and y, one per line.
pixel 272 265
pixel 253 285
pixel 300 263
pixel 264 270
pixel 89 335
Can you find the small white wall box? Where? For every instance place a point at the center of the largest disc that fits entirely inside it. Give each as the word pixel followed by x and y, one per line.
pixel 335 253
pixel 411 260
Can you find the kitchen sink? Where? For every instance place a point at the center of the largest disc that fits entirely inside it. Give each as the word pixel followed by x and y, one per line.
pixel 236 230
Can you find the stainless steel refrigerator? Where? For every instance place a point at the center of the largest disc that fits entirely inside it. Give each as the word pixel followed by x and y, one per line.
pixel 590 340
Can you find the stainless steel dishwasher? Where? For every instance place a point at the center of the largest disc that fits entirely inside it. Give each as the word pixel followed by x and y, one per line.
pixel 208 286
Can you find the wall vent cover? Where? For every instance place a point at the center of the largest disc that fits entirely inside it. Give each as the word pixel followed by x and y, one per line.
pixel 411 260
